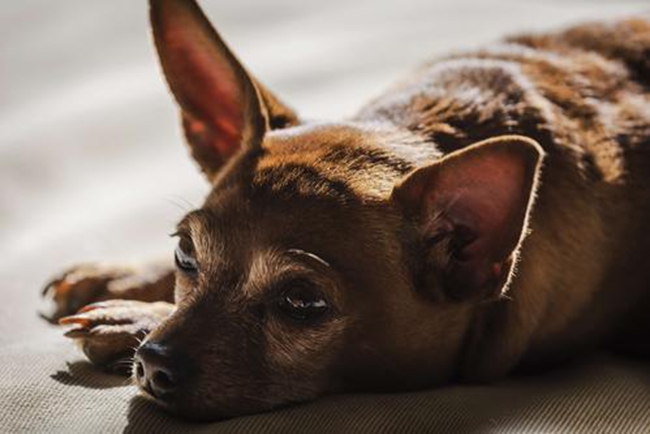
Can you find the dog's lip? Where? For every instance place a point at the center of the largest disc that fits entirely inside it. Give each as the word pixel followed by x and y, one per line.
pixel 146 393
pixel 146 389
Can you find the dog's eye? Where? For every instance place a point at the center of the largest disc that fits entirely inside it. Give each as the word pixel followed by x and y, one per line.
pixel 184 257
pixel 303 303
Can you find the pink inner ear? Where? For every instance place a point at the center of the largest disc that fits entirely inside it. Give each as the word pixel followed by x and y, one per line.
pixel 201 137
pixel 203 76
pixel 210 91
pixel 488 194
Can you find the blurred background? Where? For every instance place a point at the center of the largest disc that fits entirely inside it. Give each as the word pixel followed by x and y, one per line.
pixel 92 164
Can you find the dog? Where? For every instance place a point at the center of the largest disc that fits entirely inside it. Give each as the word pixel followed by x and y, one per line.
pixel 486 215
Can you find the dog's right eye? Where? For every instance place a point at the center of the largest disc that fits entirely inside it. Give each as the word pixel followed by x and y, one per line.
pixel 184 257
pixel 303 303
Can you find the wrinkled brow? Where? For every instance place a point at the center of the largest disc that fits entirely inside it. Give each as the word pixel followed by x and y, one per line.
pixel 193 222
pixel 310 257
pixel 272 267
pixel 199 226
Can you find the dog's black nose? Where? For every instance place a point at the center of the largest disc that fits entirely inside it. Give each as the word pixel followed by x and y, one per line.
pixel 159 370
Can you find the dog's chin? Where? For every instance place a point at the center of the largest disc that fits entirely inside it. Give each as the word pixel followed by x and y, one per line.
pixel 174 410
pixel 193 413
pixel 191 408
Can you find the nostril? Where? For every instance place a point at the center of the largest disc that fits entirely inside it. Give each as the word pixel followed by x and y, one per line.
pixel 163 381
pixel 139 370
pixel 160 370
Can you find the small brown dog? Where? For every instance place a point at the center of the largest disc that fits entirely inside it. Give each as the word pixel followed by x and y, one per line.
pixel 489 213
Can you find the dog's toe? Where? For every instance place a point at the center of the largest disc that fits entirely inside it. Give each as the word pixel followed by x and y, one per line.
pixel 79 286
pixel 111 330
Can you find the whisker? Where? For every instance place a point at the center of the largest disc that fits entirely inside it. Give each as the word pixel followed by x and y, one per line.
pixel 180 203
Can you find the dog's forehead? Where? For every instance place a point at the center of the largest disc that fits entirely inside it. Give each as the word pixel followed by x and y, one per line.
pixel 239 223
pixel 347 161
pixel 312 187
pixel 316 138
pixel 317 134
pixel 343 162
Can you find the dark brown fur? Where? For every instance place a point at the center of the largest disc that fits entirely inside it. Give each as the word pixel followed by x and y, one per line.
pixel 580 274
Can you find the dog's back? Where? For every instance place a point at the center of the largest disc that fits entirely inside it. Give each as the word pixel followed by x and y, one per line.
pixel 583 94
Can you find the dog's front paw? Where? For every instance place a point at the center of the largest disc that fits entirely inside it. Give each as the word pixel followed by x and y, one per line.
pixel 81 285
pixel 110 331
pixel 85 284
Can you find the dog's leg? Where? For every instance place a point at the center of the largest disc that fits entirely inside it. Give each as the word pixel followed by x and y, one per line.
pixel 119 307
pixel 85 284
pixel 110 331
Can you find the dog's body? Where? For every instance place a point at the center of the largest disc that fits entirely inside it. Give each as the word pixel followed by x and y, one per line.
pixel 583 95
pixel 408 235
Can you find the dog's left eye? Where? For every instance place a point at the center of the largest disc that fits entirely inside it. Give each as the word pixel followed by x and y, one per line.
pixel 184 256
pixel 303 303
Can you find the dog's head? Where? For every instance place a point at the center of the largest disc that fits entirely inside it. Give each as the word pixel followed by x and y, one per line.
pixel 327 256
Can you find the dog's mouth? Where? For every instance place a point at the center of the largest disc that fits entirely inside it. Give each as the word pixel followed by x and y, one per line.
pixel 167 402
pixel 193 414
pixel 147 394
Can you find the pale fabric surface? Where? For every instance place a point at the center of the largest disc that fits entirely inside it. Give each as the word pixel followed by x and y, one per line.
pixel 91 168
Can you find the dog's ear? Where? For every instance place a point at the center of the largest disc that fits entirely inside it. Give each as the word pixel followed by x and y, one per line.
pixel 471 209
pixel 224 109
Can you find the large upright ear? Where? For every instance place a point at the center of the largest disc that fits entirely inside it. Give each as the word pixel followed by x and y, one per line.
pixel 223 107
pixel 471 209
